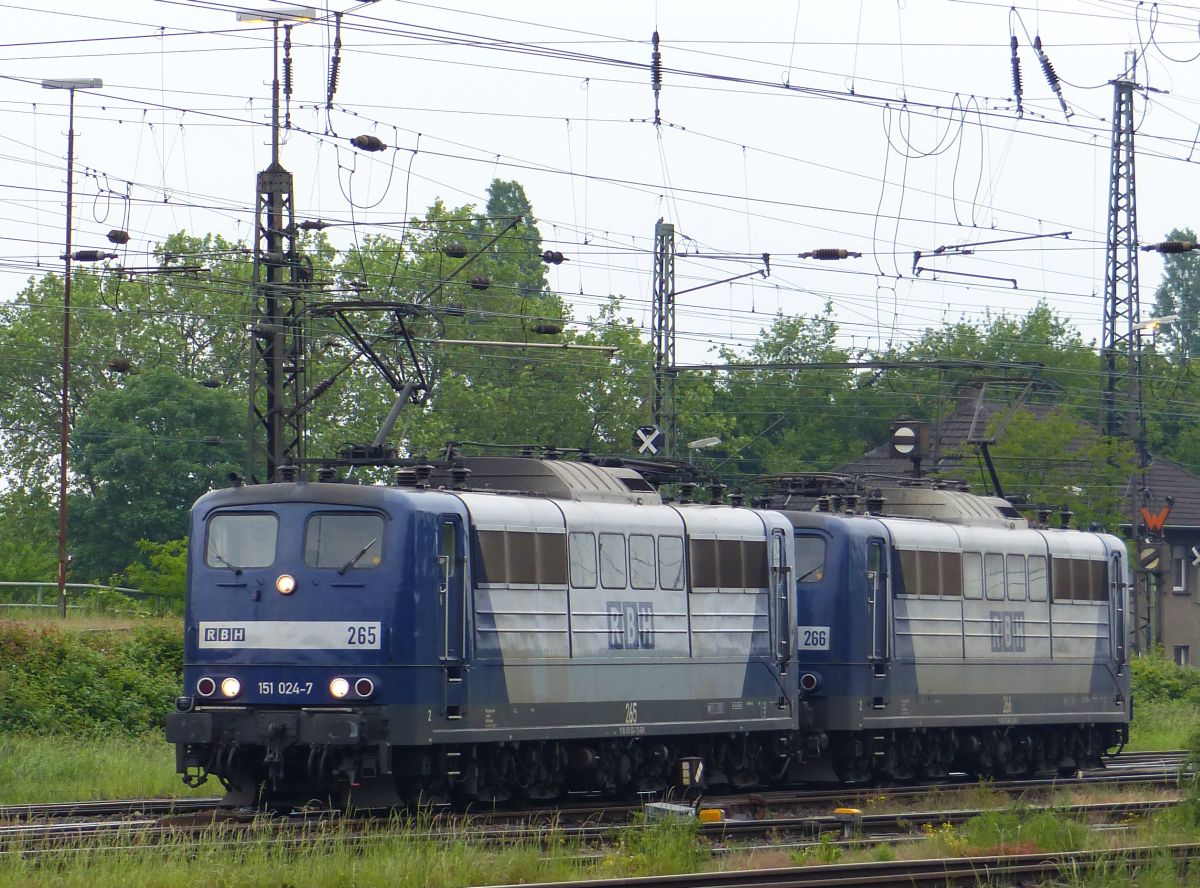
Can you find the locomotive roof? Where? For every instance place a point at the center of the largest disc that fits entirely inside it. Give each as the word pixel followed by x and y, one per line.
pixel 556 479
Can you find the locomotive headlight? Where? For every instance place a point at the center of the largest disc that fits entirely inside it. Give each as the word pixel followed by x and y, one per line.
pixel 206 687
pixel 230 687
pixel 286 584
pixel 810 681
pixel 339 687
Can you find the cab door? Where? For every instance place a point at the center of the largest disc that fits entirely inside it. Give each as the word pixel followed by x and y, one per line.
pixel 1117 595
pixel 878 603
pixel 781 577
pixel 452 612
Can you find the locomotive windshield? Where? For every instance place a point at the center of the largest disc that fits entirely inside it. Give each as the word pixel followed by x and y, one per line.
pixel 238 540
pixel 810 559
pixel 343 540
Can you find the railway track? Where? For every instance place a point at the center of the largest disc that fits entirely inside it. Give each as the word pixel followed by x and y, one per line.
pixel 99 817
pixel 953 871
pixel 110 808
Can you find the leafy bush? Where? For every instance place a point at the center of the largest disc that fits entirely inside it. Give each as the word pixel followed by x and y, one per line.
pixel 59 681
pixel 1156 678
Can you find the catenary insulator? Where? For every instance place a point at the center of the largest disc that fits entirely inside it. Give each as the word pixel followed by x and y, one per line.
pixel 1170 247
pixel 829 253
pixel 455 251
pixel 117 236
pixel 553 257
pixel 1016 73
pixel 1051 76
pixel 368 143
pixel 90 256
pixel 480 282
pixel 313 225
pixel 547 328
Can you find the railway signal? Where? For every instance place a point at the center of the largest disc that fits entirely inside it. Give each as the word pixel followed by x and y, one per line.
pixel 649 439
pixel 1151 558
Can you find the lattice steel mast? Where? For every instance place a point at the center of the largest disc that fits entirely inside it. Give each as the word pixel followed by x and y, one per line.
pixel 276 424
pixel 662 332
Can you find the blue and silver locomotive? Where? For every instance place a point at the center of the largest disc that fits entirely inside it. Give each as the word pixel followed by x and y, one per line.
pixel 531 627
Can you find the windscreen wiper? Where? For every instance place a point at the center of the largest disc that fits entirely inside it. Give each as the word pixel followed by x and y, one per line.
pixel 361 552
pixel 237 571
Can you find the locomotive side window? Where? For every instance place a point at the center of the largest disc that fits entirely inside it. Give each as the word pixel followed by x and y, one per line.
pixel 641 561
pixel 810 559
pixel 729 564
pixel 704 563
pixel 1079 579
pixel 552 559
pixel 951 564
pixel 909 581
pixel 1037 578
pixel 670 562
pixel 1096 584
pixel 972 564
pixel 755 569
pixel 993 576
pixel 343 540
pixel 613 572
pixel 522 557
pixel 241 540
pixel 1016 577
pixel 582 555
pixel 936 574
pixel 491 562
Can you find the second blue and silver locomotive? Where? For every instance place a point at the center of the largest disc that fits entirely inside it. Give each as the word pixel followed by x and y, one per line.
pixel 534 627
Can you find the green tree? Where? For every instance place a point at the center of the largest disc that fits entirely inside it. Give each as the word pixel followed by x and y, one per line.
pixel 188 313
pixel 789 418
pixel 144 453
pixel 1056 459
pixel 163 574
pixel 28 537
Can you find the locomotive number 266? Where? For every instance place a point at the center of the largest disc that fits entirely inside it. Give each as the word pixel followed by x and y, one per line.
pixel 813 638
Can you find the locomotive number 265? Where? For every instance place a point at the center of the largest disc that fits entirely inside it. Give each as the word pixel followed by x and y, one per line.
pixel 361 635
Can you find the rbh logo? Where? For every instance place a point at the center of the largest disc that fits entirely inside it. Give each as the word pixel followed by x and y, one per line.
pixel 225 633
pixel 1156 520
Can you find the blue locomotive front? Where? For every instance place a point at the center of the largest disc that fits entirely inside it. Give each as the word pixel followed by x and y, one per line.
pixel 316 636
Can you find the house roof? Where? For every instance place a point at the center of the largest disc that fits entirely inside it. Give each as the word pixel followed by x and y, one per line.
pixel 971 417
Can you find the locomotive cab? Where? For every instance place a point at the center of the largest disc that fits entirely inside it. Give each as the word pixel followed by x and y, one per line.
pixel 294 668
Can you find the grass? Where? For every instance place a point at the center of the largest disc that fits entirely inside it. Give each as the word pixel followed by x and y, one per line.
pixel 1162 724
pixel 48 769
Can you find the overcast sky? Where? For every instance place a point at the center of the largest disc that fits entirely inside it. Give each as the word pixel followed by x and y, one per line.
pixel 877 126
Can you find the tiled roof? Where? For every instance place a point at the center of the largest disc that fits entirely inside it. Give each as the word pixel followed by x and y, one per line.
pixel 1164 476
pixel 1165 479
